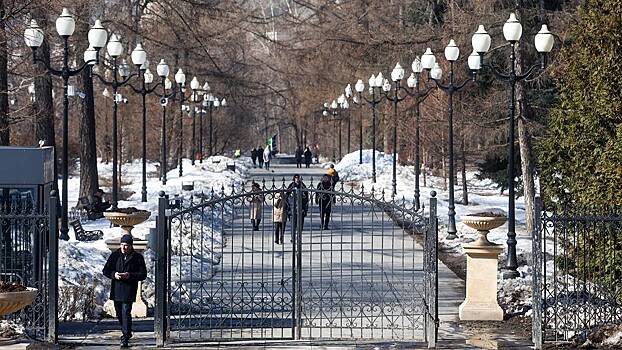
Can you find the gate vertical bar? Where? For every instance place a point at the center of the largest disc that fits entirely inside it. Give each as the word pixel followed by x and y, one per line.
pixel 298 257
pixel 53 269
pixel 432 275
pixel 160 323
pixel 536 325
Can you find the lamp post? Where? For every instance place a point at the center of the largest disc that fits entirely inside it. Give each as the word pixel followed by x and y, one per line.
pixel 512 32
pixel 180 79
pixel 144 91
pixel 163 71
pixel 212 102
pixel 198 94
pixel 375 82
pixel 97 36
pixel 413 83
pixel 139 56
pixel 357 100
pixel 428 61
pixel 396 75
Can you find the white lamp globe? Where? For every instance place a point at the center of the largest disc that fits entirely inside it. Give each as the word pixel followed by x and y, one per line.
pixel 90 56
pixel 162 68
pixel 411 81
pixel 379 80
pixel 223 102
pixel 451 51
pixel 180 77
pixel 194 83
pixel 144 66
pixel 340 99
pixel 348 90
pixel 124 69
pixel 544 40
pixel 475 61
pixel 98 35
pixel 206 87
pixel 33 35
pixel 345 104
pixel 325 104
pixel 386 86
pixel 216 103
pixel 334 105
pixel 397 73
pixel 512 29
pixel 148 76
pixel 325 113
pixel 428 59
pixel 436 73
pixel 114 47
pixel 416 65
pixel 481 40
pixel 168 84
pixel 65 24
pixel 139 56
pixel 372 81
pixel 359 86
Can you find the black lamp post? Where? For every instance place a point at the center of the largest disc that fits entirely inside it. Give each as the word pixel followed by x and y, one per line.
pixel 428 61
pixel 198 94
pixel 139 56
pixel 512 32
pixel 65 26
pixel 356 100
pixel 212 102
pixel 396 75
pixel 413 82
pixel 180 79
pixel 144 91
pixel 375 82
pixel 163 71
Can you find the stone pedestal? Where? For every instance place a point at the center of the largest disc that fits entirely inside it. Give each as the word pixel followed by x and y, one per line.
pixel 481 287
pixel 139 308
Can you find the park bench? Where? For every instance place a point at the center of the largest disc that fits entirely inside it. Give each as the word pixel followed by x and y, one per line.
pixel 82 234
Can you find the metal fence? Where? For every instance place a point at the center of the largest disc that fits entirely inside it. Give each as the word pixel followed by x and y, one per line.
pixel 359 276
pixel 24 246
pixel 577 257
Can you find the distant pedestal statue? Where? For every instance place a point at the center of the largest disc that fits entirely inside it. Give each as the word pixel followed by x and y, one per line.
pixel 481 302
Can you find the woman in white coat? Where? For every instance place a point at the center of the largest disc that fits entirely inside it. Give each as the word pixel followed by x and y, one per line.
pixel 279 216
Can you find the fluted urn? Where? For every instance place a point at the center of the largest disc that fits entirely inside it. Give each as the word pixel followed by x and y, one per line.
pixel 483 223
pixel 11 302
pixel 127 220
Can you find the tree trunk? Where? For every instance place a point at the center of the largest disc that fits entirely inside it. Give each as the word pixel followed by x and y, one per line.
pixel 89 181
pixel 524 138
pixel 4 96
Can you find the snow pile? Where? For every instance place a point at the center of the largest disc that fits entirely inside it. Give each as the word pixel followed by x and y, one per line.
pixel 350 170
pixel 81 263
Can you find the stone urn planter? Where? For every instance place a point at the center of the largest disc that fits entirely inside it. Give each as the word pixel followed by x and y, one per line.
pixel 127 218
pixel 11 302
pixel 483 223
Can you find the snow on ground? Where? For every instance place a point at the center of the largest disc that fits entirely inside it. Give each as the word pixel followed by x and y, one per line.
pixel 81 262
pixel 483 196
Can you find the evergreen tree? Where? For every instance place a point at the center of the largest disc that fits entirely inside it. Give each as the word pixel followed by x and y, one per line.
pixel 581 156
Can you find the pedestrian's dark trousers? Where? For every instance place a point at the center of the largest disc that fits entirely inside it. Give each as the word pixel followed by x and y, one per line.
pixel 298 163
pixel 124 315
pixel 279 231
pixel 256 223
pixel 325 214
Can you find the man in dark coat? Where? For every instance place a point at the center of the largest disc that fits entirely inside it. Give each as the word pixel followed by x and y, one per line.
pixel 292 208
pixel 260 157
pixel 308 157
pixel 125 267
pixel 325 200
pixel 299 157
pixel 98 205
pixel 254 156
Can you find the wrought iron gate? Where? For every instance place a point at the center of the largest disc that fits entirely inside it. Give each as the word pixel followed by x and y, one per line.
pixel 359 276
pixel 27 242
pixel 576 283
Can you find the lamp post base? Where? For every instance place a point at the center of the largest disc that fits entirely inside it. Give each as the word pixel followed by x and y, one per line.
pixel 510 274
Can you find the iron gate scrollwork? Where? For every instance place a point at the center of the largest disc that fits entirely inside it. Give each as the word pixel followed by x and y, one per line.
pixel 359 276
pixel 576 258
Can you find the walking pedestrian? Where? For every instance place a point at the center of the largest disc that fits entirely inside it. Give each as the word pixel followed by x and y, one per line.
pixel 334 176
pixel 299 157
pixel 325 200
pixel 260 157
pixel 267 156
pixel 308 157
pixel 256 206
pixel 279 216
pixel 125 267
pixel 316 154
pixel 292 209
pixel 254 157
